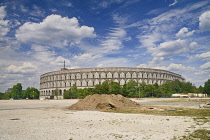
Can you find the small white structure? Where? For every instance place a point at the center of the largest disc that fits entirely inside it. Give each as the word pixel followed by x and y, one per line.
pixel 180 95
pixel 189 95
pixel 185 96
pixel 42 98
pixel 176 95
pixel 200 95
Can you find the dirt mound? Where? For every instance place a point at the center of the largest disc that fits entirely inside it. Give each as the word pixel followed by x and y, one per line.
pixel 103 102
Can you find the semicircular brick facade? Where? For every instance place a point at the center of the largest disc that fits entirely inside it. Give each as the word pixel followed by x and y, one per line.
pixel 89 77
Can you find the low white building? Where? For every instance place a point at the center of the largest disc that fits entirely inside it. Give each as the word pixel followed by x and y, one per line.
pixel 200 95
pixel 180 95
pixel 189 95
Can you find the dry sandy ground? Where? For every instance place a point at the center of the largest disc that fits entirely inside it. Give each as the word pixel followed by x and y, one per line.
pixel 48 120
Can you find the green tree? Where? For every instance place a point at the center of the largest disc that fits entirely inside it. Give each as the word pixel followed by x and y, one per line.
pixel 156 85
pixel 158 92
pixel 66 94
pixel 206 88
pixel 74 91
pixel 71 93
pixel 188 88
pixel 82 93
pixel 176 86
pixel 16 92
pixel 170 87
pixel 5 95
pixel 166 87
pixel 114 88
pixel 142 88
pixel 103 88
pixel 131 88
pixel 124 91
pixel 200 89
pixel 1 95
pixel 98 89
pixel 149 90
pixel 34 93
pixel 108 87
pixel 24 94
pixel 31 93
pixel 56 93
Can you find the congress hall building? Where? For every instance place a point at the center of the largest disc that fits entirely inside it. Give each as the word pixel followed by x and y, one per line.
pixel 89 77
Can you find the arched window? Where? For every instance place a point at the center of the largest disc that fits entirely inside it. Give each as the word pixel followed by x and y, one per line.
pixel 122 75
pixel 96 75
pixel 134 75
pixel 109 75
pixel 128 75
pixel 103 75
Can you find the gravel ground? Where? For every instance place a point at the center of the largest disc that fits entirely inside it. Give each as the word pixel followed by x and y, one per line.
pixel 49 120
pixel 29 104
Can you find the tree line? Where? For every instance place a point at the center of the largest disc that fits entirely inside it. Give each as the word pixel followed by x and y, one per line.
pixel 18 93
pixel 134 89
pixel 131 89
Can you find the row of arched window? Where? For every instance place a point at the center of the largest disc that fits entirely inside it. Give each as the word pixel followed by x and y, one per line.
pixel 106 75
pixel 91 83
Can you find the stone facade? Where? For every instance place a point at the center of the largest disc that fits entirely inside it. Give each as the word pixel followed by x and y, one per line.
pixel 89 77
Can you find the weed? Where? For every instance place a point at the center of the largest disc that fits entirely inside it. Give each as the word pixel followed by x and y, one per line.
pixel 200 116
pixel 201 120
pixel 183 112
pixel 200 134
pixel 117 135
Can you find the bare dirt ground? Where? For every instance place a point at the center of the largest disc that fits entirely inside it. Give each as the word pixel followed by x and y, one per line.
pixel 50 120
pixel 103 102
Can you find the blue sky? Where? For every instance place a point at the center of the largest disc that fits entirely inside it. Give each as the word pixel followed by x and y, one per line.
pixel 36 36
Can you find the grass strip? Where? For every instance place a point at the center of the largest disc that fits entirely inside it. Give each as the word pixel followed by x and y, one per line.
pixel 200 134
pixel 165 112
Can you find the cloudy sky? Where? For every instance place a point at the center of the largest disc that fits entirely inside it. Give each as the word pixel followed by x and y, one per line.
pixel 36 36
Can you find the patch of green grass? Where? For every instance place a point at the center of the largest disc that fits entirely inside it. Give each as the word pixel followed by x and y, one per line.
pixel 176 100
pixel 200 116
pixel 164 112
pixel 200 134
pixel 201 120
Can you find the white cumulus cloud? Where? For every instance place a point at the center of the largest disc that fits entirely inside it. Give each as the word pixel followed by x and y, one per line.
pixel 2 12
pixel 54 30
pixel 171 48
pixel 204 56
pixel 42 53
pixel 4 24
pixel 85 56
pixel 26 68
pixel 60 61
pixel 204 23
pixel 174 66
pixel 184 32
pixel 205 66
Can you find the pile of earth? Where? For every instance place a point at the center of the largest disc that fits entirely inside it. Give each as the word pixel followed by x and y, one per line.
pixel 103 102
